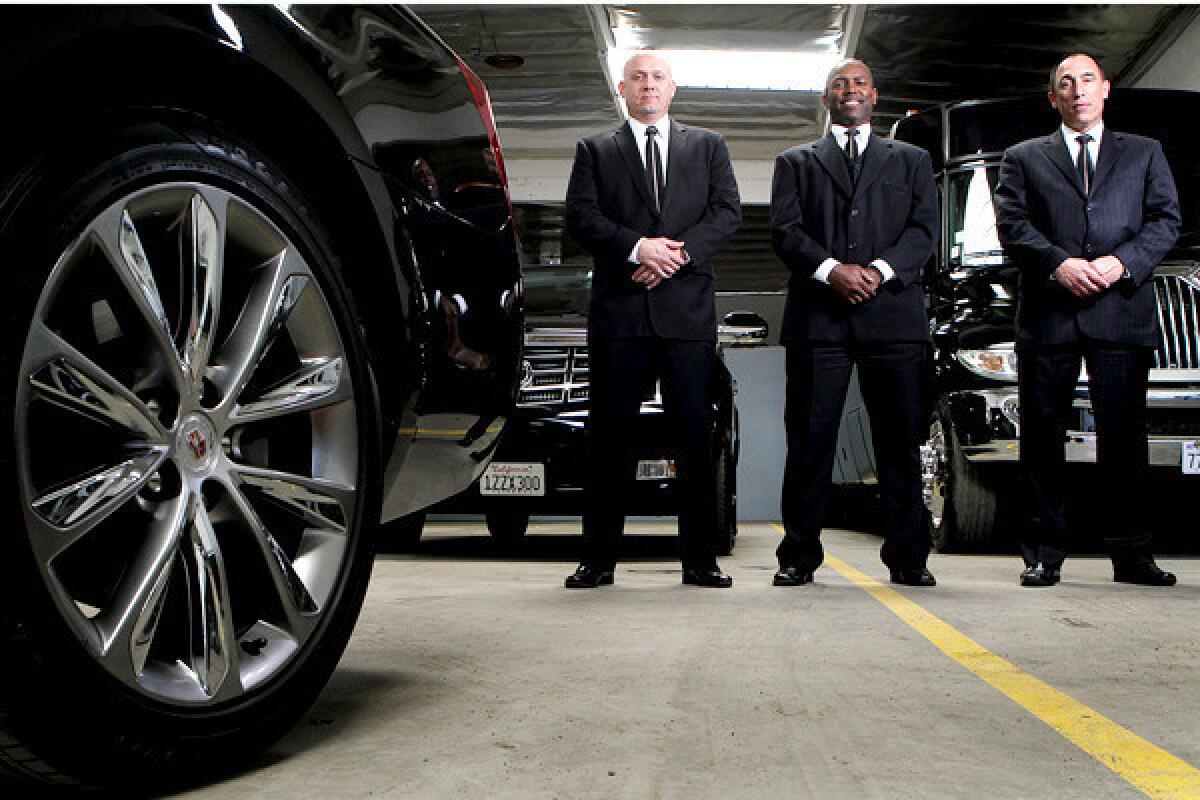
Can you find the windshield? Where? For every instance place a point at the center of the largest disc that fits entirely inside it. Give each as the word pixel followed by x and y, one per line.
pixel 972 239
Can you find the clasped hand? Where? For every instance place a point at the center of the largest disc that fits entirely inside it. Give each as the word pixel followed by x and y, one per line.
pixel 855 283
pixel 1084 278
pixel 659 258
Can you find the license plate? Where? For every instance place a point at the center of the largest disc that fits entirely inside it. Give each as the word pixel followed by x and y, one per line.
pixel 661 469
pixel 1191 458
pixel 514 480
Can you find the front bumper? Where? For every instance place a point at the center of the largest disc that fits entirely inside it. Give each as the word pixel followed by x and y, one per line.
pixel 988 425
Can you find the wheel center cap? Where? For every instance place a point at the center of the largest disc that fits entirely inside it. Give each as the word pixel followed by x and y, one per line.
pixel 196 444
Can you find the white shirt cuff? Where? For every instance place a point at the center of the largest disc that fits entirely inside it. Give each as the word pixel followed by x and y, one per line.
pixel 633 259
pixel 885 269
pixel 822 272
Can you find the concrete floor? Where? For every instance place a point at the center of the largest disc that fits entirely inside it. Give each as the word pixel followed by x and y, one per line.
pixel 476 675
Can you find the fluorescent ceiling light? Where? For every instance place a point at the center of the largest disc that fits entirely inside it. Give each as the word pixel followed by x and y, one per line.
pixel 792 70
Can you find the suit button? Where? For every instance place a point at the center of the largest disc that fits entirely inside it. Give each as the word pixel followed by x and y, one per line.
pixel 1088 247
pixel 1091 207
pixel 852 245
pixel 854 212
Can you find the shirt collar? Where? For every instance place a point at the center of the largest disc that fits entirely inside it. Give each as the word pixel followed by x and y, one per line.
pixel 1070 135
pixel 663 124
pixel 839 135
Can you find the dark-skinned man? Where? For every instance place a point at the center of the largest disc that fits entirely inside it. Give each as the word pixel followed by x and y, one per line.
pixel 1086 214
pixel 854 218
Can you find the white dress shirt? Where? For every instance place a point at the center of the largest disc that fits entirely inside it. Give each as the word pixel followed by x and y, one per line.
pixel 885 269
pixel 663 139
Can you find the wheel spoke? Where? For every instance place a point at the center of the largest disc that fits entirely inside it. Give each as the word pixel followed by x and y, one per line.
pixel 128 625
pixel 75 509
pixel 279 288
pixel 294 596
pixel 317 501
pixel 115 233
pixel 213 637
pixel 203 269
pixel 70 380
pixel 320 382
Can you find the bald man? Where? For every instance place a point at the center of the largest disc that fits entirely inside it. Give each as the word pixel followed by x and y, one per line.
pixel 653 201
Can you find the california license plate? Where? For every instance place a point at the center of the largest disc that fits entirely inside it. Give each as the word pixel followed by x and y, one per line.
pixel 656 470
pixel 514 480
pixel 1191 458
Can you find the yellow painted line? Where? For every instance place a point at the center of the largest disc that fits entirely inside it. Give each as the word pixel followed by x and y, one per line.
pixel 1151 769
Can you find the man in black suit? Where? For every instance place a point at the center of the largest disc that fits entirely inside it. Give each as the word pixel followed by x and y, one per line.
pixel 854 217
pixel 653 201
pixel 1086 213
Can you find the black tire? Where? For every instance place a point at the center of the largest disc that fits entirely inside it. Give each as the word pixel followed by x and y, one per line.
pixel 111 718
pixel 726 497
pixel 405 533
pixel 507 527
pixel 966 518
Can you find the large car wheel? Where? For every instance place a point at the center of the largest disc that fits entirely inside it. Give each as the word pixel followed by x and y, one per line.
pixel 194 463
pixel 726 497
pixel 962 508
pixel 507 527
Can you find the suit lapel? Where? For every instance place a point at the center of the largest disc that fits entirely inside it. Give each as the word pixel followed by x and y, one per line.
pixel 833 160
pixel 875 157
pixel 677 156
pixel 633 160
pixel 1110 153
pixel 1055 149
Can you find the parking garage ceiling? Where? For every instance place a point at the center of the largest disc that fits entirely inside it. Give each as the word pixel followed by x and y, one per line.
pixel 921 55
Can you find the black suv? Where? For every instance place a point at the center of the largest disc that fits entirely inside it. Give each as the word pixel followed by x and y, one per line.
pixel 540 463
pixel 970 457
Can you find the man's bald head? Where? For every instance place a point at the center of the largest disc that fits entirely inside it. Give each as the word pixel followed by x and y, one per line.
pixel 648 86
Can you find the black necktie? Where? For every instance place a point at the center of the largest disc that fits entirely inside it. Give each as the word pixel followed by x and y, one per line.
pixel 852 152
pixel 654 167
pixel 1083 164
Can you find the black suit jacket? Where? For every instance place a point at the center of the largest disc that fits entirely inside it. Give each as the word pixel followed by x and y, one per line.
pixel 609 207
pixel 817 212
pixel 1043 218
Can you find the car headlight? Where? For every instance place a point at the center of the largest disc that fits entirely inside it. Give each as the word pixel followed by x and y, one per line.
pixel 998 362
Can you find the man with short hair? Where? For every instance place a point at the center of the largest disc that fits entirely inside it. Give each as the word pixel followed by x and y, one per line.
pixel 854 217
pixel 1086 213
pixel 653 201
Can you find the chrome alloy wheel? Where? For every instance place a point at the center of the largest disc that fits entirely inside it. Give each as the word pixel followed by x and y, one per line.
pixel 187 443
pixel 934 469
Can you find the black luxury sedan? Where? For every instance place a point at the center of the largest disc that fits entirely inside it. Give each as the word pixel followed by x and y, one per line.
pixel 263 294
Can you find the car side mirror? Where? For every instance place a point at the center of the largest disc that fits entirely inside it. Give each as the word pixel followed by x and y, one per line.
pixel 742 329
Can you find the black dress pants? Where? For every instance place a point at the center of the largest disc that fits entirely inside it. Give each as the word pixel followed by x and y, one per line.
pixel 1118 377
pixel 895 387
pixel 620 369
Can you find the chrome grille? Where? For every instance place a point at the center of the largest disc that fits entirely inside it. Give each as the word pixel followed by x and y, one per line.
pixel 1178 300
pixel 556 369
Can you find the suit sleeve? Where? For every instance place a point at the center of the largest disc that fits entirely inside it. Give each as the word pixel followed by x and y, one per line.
pixel 909 254
pixel 585 221
pixel 1023 242
pixel 799 252
pixel 1160 221
pixel 705 237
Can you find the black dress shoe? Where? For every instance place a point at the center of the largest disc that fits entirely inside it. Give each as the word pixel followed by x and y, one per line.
pixel 712 577
pixel 920 576
pixel 791 576
pixel 588 577
pixel 1144 574
pixel 1040 576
